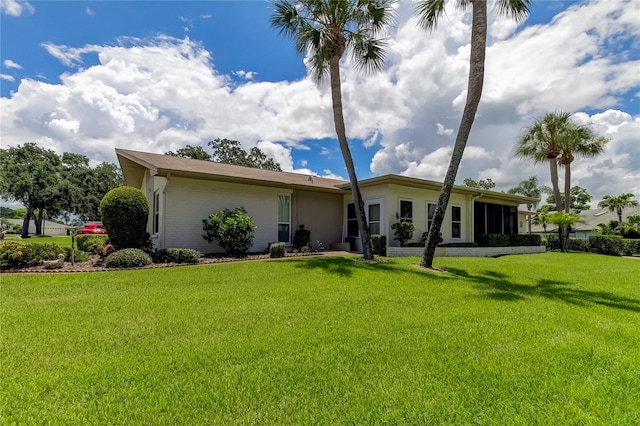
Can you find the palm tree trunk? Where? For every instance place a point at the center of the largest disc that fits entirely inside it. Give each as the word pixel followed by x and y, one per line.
pixel 567 187
pixel 529 207
pixel 553 166
pixel 338 118
pixel 474 93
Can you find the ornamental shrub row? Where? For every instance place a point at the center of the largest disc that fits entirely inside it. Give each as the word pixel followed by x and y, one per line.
pixel 177 255
pixel 127 258
pixel 276 250
pixel 612 245
pixel 379 244
pixel 20 254
pixel 85 242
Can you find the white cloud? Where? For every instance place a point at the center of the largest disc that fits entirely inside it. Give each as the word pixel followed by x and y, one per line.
pixel 90 11
pixel 161 94
pixel 16 8
pixel 8 63
pixel 7 77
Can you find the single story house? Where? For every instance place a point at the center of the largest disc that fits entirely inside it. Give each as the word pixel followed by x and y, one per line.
pixel 589 221
pixel 182 192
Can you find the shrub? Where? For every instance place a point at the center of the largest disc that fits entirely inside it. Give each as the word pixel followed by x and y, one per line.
pixel 493 240
pixel 630 247
pixel 579 244
pixel 124 212
pixel 177 255
pixel 276 250
pixel 524 240
pixel 232 229
pixel 301 238
pixel 19 254
pixel 127 258
pixel 78 255
pixel 403 232
pixel 553 242
pixel 606 244
pixel 458 245
pixel 85 242
pixel 379 243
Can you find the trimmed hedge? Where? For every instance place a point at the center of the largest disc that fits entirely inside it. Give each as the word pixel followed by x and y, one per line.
pixel 379 243
pixel 127 258
pixel 493 240
pixel 276 250
pixel 553 242
pixel 525 240
pixel 85 242
pixel 20 254
pixel 177 255
pixel 579 244
pixel 630 247
pixel 606 244
pixel 124 212
pixel 301 239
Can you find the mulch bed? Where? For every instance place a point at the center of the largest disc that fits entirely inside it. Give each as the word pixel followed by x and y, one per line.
pixel 92 265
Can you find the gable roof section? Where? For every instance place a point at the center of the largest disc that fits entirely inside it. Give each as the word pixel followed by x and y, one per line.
pixel 480 194
pixel 134 163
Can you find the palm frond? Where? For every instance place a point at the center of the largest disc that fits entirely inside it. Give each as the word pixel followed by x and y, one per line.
pixel 368 54
pixel 429 11
pixel 515 9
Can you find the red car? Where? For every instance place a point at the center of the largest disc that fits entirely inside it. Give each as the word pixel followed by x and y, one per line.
pixel 92 228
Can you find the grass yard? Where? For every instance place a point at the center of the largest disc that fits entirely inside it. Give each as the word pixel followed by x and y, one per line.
pixel 63 241
pixel 538 339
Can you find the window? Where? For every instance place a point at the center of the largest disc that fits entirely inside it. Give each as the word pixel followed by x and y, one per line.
pixel 284 221
pixel 431 210
pixel 374 219
pixel 156 212
pixel 406 211
pixel 456 222
pixel 352 221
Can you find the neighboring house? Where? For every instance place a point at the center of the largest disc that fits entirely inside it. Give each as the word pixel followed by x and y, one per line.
pixel 182 192
pixel 590 219
pixel 49 228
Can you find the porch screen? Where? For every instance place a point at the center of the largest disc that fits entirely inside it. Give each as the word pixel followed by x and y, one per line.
pixel 284 221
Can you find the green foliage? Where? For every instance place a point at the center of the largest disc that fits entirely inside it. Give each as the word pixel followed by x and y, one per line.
pixel 232 229
pixel 579 244
pixel 124 213
pixel 493 240
pixel 78 255
pixel 630 247
pixel 85 242
pixel 301 239
pixel 276 250
pixel 379 243
pixel 20 254
pixel 230 152
pixel 524 240
pixel 482 183
pixel 580 200
pixel 606 244
pixel 177 255
pixel 553 241
pixel 193 152
pixel 127 258
pixel 403 232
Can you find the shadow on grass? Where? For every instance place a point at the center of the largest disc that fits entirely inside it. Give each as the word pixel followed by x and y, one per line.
pixel 497 286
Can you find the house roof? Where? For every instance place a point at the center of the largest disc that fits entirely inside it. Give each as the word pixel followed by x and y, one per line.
pixel 134 163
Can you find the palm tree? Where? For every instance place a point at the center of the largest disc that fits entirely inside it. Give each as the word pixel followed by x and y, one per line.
pixel 429 11
pixel 325 30
pixel 564 221
pixel 618 203
pixel 541 218
pixel 528 188
pixel 581 141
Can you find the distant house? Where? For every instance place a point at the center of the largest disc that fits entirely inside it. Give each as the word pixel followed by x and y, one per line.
pixel 182 192
pixel 590 219
pixel 49 228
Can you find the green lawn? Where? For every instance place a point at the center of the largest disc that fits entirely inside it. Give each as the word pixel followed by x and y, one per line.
pixel 539 339
pixel 62 241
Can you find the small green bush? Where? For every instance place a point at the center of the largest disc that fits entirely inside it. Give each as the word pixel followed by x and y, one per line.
pixel 124 212
pixel 20 254
pixel 493 240
pixel 127 258
pixel 524 240
pixel 301 239
pixel 403 232
pixel 606 244
pixel 177 255
pixel 579 244
pixel 79 255
pixel 553 242
pixel 85 242
pixel 630 247
pixel 379 243
pixel 276 250
pixel 232 229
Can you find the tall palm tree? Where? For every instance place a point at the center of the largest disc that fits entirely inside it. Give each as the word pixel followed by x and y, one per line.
pixel 618 203
pixel 580 141
pixel 325 30
pixel 429 12
pixel 528 188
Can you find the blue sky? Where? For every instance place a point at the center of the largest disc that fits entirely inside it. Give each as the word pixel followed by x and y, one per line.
pixel 88 77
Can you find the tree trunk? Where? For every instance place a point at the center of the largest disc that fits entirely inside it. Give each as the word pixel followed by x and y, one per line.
pixel 25 223
pixel 619 212
pixel 338 118
pixel 567 187
pixel 474 93
pixel 553 166
pixel 38 221
pixel 529 207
